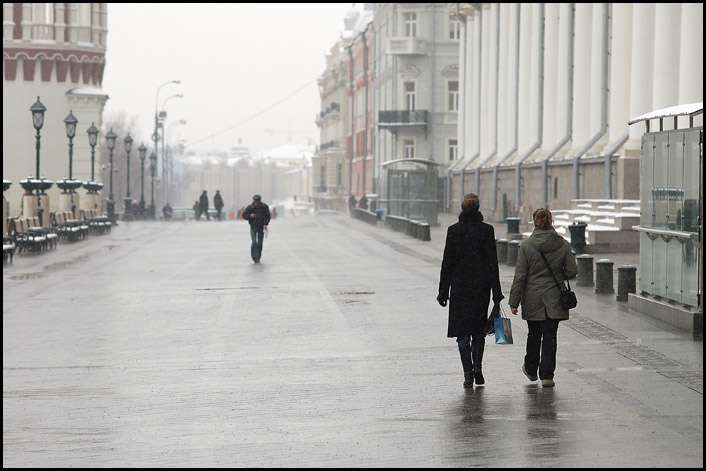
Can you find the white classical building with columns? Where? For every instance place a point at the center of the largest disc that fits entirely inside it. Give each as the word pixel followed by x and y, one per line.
pixel 547 90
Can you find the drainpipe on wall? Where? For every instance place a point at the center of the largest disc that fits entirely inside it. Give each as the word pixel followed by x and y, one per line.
pixel 365 131
pixel 540 110
pixel 497 72
pixel 478 9
pixel 608 164
pixel 517 112
pixel 433 74
pixel 350 152
pixel 463 109
pixel 604 104
pixel 569 109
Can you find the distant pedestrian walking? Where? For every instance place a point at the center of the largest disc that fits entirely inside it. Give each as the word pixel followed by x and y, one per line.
pixel 535 289
pixel 167 212
pixel 197 211
pixel 363 203
pixel 203 205
pixel 258 216
pixel 218 204
pixel 470 270
pixel 351 203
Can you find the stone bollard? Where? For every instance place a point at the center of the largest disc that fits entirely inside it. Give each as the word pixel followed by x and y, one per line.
pixel 585 276
pixel 604 276
pixel 426 231
pixel 501 246
pixel 513 248
pixel 627 282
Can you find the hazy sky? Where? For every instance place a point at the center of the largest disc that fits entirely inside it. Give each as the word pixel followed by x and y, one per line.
pixel 234 62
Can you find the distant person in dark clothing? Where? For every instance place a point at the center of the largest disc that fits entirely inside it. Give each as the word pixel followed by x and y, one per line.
pixel 351 203
pixel 363 204
pixel 167 212
pixel 258 215
pixel 470 270
pixel 197 211
pixel 203 205
pixel 218 204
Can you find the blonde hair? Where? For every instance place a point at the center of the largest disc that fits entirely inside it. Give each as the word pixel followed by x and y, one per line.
pixel 542 218
pixel 470 202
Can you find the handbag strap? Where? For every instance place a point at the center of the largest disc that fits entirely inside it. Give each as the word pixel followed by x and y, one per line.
pixel 552 273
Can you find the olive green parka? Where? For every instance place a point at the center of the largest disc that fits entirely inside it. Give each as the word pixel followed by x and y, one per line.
pixel 533 287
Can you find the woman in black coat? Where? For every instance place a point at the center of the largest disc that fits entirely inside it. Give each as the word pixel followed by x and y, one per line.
pixel 470 270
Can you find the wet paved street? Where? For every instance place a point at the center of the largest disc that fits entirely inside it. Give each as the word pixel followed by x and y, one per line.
pixel 163 345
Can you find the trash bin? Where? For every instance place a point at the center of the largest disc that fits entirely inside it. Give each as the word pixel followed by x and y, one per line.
pixel 578 236
pixel 513 225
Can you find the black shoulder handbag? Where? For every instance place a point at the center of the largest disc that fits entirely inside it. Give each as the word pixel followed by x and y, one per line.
pixel 567 298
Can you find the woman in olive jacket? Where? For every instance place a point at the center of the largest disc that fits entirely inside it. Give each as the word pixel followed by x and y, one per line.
pixel 470 271
pixel 534 288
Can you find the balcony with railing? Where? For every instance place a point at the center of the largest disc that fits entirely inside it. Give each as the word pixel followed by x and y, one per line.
pixel 403 119
pixel 406 46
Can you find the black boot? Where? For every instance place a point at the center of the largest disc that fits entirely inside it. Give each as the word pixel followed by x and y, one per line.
pixel 477 347
pixel 467 366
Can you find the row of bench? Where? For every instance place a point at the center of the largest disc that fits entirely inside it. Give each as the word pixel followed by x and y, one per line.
pixel 27 234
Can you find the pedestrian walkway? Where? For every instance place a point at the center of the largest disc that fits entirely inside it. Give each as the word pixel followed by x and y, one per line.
pixel 163 345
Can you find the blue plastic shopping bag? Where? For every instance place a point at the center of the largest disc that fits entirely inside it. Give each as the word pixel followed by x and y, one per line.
pixel 503 330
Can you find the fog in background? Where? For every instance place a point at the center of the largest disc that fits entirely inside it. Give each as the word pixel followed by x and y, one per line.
pixel 247 71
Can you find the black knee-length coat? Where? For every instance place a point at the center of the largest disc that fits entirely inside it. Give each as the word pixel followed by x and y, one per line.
pixel 470 271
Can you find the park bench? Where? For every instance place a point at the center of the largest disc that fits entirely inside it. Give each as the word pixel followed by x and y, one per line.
pixel 67 227
pixel 51 234
pixel 26 239
pixel 97 223
pixel 8 248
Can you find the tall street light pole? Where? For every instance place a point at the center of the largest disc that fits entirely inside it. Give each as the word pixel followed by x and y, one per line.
pixel 165 165
pixel 168 157
pixel 128 201
pixel 143 151
pixel 153 169
pixel 110 142
pixel 40 184
pixel 69 185
pixel 155 135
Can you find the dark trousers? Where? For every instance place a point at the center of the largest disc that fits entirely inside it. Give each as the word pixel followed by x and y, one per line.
pixel 218 214
pixel 541 338
pixel 256 234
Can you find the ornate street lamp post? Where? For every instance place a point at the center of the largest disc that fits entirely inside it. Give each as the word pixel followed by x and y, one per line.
pixel 153 168
pixel 110 142
pixel 69 185
pixel 128 201
pixel 142 150
pixel 91 185
pixel 40 184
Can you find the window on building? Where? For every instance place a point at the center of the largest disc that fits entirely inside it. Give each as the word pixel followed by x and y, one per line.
pixel 453 96
pixel 453 149
pixel 454 29
pixel 410 96
pixel 323 175
pixel 43 19
pixel 339 174
pixel 408 148
pixel 410 25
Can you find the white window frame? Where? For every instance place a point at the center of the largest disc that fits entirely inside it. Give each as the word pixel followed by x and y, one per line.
pixel 411 24
pixel 408 148
pixel 453 96
pixel 454 30
pixel 453 149
pixel 410 97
